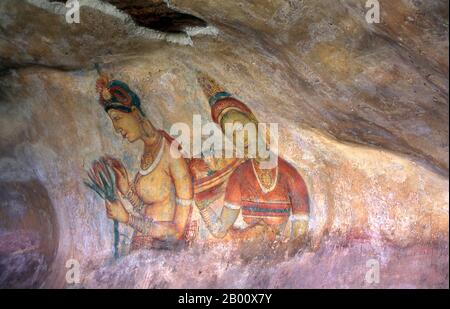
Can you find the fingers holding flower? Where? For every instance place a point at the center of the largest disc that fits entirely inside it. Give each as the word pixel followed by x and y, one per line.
pixel 120 173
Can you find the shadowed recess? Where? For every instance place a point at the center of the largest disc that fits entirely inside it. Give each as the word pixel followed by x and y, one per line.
pixel 28 234
pixel 155 14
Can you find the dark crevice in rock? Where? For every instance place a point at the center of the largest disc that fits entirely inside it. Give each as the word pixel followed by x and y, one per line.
pixel 6 67
pixel 155 14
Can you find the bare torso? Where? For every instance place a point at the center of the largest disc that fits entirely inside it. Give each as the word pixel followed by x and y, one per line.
pixel 156 189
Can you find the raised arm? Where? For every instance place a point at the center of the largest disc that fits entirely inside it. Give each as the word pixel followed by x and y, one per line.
pixel 218 226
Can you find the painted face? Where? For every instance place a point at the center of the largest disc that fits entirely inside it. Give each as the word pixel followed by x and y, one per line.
pixel 235 117
pixel 126 124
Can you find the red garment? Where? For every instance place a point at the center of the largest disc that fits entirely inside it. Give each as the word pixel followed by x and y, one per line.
pixel 289 196
pixel 210 186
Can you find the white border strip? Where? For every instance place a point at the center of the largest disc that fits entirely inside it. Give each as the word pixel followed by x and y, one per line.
pixel 231 206
pixel 301 217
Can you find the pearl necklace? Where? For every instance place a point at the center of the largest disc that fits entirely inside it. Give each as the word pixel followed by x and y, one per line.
pixel 263 187
pixel 155 162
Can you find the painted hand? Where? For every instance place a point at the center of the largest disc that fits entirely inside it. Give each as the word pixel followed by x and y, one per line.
pixel 122 182
pixel 116 211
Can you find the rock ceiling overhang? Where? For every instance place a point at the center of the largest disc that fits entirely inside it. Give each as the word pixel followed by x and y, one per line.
pixel 382 85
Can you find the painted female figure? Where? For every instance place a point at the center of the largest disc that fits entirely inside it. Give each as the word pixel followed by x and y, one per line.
pixel 162 191
pixel 258 201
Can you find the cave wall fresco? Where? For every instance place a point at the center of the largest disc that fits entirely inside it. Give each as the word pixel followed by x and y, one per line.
pixel 392 199
pixel 380 195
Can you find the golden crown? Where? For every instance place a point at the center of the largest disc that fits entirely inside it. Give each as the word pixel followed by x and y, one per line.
pixel 209 86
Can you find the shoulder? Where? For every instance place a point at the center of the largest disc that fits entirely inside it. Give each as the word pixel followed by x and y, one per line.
pixel 285 166
pixel 289 170
pixel 244 167
pixel 173 156
pixel 241 172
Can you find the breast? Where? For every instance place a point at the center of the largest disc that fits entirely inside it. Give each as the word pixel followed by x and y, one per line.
pixel 154 187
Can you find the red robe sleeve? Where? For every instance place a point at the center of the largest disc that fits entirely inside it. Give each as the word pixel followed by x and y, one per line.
pixel 298 193
pixel 233 191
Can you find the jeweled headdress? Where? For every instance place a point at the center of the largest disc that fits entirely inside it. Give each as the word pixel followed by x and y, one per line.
pixel 212 90
pixel 219 99
pixel 120 96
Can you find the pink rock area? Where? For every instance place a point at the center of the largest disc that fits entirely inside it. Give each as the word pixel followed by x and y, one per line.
pixel 21 263
pixel 335 264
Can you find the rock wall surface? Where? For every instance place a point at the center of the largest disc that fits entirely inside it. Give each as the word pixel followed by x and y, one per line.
pixel 362 111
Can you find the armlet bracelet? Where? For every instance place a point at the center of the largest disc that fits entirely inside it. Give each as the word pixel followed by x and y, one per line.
pixel 135 201
pixel 183 202
pixel 299 217
pixel 232 206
